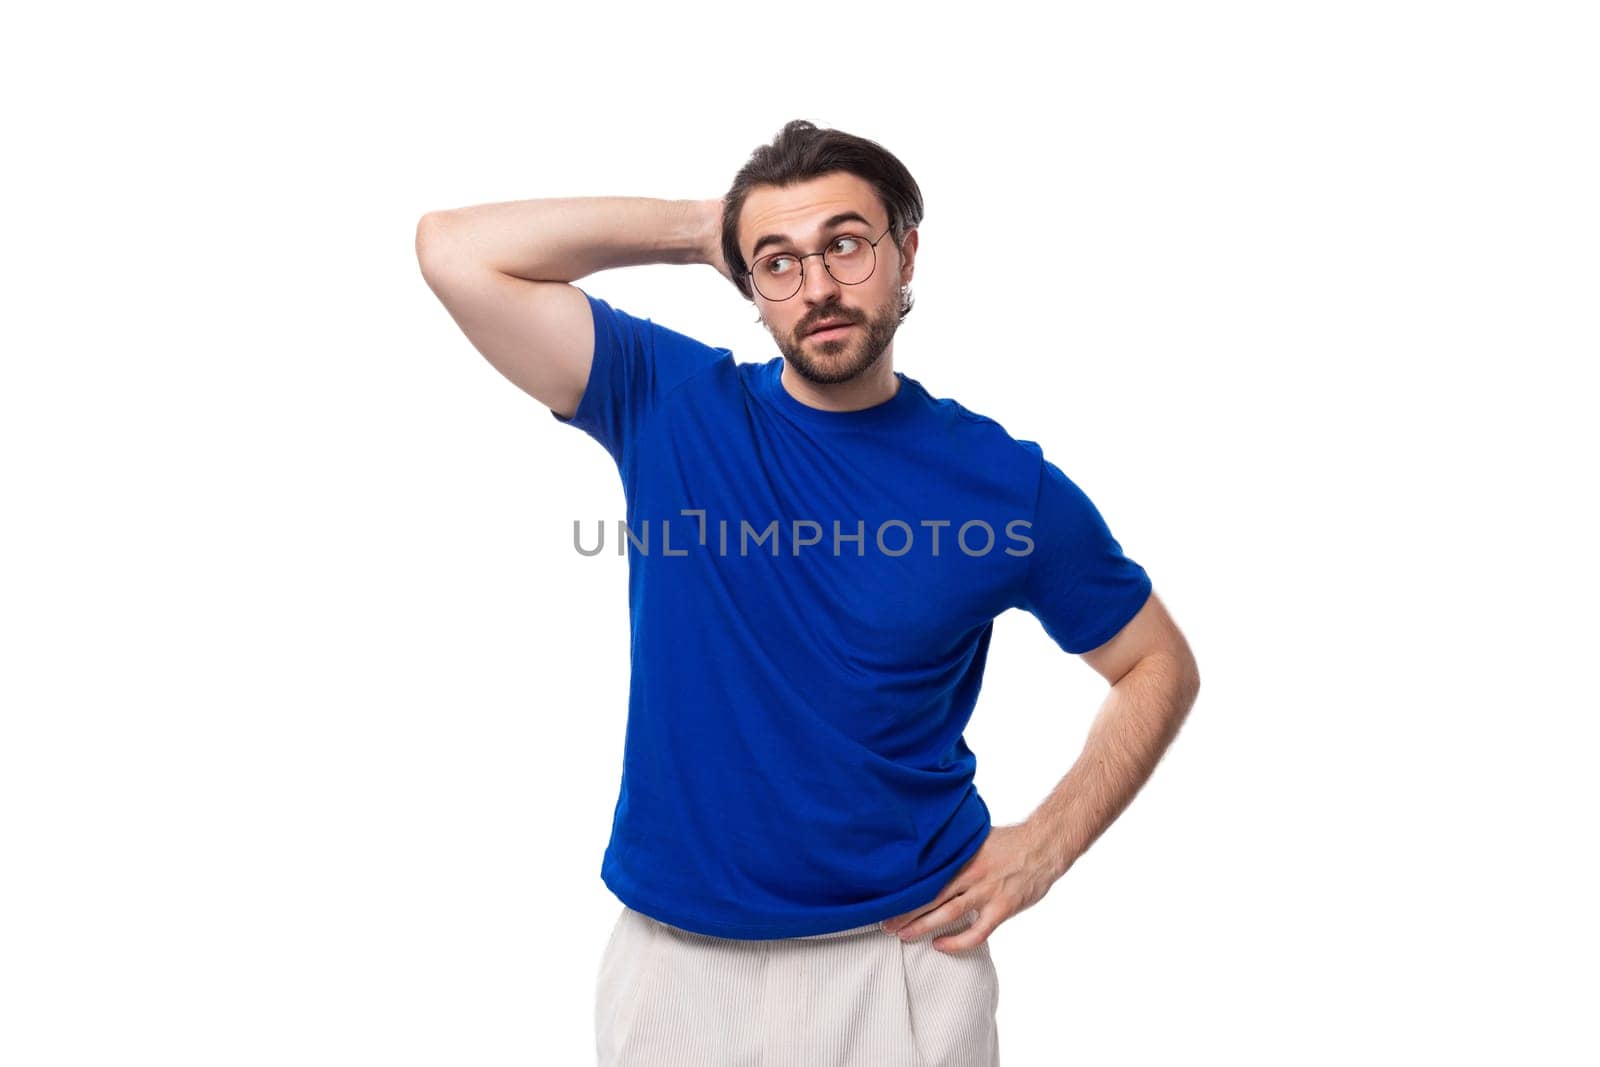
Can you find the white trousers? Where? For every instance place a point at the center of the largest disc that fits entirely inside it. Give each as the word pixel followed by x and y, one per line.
pixel 667 997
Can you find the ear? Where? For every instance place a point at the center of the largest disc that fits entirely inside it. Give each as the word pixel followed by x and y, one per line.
pixel 908 257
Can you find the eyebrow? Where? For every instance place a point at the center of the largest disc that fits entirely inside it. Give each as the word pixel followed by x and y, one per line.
pixel 828 224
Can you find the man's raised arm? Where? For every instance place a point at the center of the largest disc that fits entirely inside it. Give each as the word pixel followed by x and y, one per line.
pixel 504 272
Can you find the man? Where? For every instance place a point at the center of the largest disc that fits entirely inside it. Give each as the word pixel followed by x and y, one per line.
pixel 817 550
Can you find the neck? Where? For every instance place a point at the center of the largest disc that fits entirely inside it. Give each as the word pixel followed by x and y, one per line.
pixel 869 390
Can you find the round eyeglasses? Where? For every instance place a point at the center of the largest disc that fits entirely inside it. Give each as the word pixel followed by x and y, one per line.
pixel 849 258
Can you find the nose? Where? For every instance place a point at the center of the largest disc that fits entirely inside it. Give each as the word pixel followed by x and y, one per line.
pixel 817 286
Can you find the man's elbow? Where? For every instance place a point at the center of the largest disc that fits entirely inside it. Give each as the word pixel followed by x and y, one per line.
pixel 1188 677
pixel 1175 666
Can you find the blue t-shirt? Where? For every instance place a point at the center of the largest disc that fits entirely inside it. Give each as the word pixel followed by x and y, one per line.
pixel 811 596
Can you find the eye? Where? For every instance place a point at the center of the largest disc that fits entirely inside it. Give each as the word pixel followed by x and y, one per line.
pixel 849 242
pixel 772 264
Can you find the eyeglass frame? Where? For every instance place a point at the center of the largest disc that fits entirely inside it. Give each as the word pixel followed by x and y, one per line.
pixel 801 259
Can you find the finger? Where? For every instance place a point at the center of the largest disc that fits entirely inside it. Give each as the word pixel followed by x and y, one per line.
pixel 933 919
pixel 952 890
pixel 900 923
pixel 971 937
pixel 895 924
pixel 968 938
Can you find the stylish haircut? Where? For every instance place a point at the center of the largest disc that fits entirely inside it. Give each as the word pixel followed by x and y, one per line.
pixel 802 151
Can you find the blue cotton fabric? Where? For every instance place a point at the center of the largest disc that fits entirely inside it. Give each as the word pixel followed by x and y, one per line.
pixel 811 596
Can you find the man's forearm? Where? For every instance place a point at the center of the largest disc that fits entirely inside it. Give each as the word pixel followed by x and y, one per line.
pixel 564 239
pixel 1138 720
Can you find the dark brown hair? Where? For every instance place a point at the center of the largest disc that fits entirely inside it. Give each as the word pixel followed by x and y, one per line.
pixel 802 151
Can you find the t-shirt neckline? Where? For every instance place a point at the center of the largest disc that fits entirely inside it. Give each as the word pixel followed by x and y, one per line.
pixel 896 407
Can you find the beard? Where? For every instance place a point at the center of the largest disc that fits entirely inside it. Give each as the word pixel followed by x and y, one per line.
pixel 834 361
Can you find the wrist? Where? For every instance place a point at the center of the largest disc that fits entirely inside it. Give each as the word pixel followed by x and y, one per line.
pixel 710 220
pixel 1049 848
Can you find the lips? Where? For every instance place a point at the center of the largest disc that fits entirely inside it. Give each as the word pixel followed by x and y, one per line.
pixel 829 326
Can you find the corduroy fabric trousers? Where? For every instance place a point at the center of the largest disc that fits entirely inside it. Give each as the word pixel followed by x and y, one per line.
pixel 667 997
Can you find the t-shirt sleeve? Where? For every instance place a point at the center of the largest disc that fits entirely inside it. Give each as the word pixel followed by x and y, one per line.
pixel 637 363
pixel 1078 583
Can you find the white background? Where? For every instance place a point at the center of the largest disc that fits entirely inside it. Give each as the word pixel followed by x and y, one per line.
pixel 313 718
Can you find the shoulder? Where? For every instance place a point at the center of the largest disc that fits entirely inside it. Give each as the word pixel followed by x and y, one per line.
pixel 982 433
